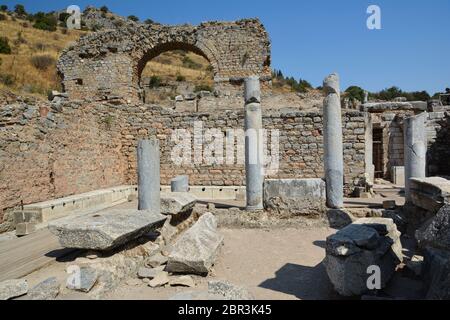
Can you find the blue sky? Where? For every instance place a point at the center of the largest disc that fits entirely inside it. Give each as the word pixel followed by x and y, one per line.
pixel 311 39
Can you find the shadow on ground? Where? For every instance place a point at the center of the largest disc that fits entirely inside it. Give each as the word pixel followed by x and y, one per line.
pixel 303 282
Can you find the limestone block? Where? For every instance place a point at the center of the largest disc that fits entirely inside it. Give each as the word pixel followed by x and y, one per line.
pixel 364 243
pixel 107 230
pixel 304 197
pixel 196 250
pixel 176 202
pixel 13 288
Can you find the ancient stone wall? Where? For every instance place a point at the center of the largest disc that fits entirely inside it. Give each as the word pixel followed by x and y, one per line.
pixel 108 64
pixel 438 155
pixel 54 150
pixel 47 154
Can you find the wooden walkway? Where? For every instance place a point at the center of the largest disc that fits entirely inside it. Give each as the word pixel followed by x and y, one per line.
pixel 21 256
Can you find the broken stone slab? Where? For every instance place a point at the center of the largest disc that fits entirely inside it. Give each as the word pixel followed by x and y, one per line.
pixel 353 249
pixel 430 193
pixel 46 290
pixel 161 279
pixel 184 281
pixel 177 202
pixel 13 288
pixel 301 197
pixel 339 218
pixel 106 230
pixel 436 231
pixel 81 278
pixel 149 273
pixel 196 250
pixel 436 274
pixel 378 107
pixel 155 260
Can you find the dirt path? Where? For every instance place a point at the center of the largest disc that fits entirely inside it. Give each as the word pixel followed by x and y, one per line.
pixel 272 264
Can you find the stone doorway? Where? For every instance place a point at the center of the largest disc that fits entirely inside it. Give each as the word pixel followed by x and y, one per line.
pixel 378 155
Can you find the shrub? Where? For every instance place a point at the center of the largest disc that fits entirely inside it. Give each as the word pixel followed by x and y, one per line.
pixel 355 93
pixel 189 63
pixel 181 78
pixel 45 21
pixel 42 62
pixel 104 9
pixel 7 79
pixel 149 21
pixel 2 17
pixel 40 46
pixel 20 10
pixel 202 87
pixel 155 82
pixel 4 8
pixel 133 18
pixel 4 46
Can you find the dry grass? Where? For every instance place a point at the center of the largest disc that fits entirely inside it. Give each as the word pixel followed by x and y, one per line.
pixel 26 43
pixel 169 65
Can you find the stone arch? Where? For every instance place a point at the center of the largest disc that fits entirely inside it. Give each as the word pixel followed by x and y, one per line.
pixel 108 64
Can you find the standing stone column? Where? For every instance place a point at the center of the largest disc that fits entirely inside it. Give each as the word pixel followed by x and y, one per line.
pixel 148 175
pixel 254 175
pixel 333 157
pixel 415 149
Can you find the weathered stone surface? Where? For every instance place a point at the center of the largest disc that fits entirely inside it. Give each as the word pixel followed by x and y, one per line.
pixel 305 197
pixel 177 202
pixel 159 280
pixel 339 218
pixel 156 260
pixel 436 274
pixel 184 281
pixel 13 288
pixel 150 273
pixel 217 290
pixel 82 279
pixel 228 290
pixel 366 242
pixel 149 178
pixel 196 250
pixel 46 290
pixel 333 142
pixel 377 107
pixel 430 193
pixel 105 231
pixel 436 231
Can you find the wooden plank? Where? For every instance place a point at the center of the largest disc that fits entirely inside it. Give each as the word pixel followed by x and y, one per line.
pixel 21 256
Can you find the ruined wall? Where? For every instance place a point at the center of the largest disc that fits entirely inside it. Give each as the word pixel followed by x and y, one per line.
pixel 300 149
pixel 438 156
pixel 49 153
pixel 108 64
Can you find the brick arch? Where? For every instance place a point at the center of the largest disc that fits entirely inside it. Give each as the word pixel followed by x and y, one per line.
pixel 108 64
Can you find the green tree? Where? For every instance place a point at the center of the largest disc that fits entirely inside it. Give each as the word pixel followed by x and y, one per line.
pixel 4 7
pixel 355 93
pixel 104 9
pixel 45 21
pixel 20 10
pixel 149 21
